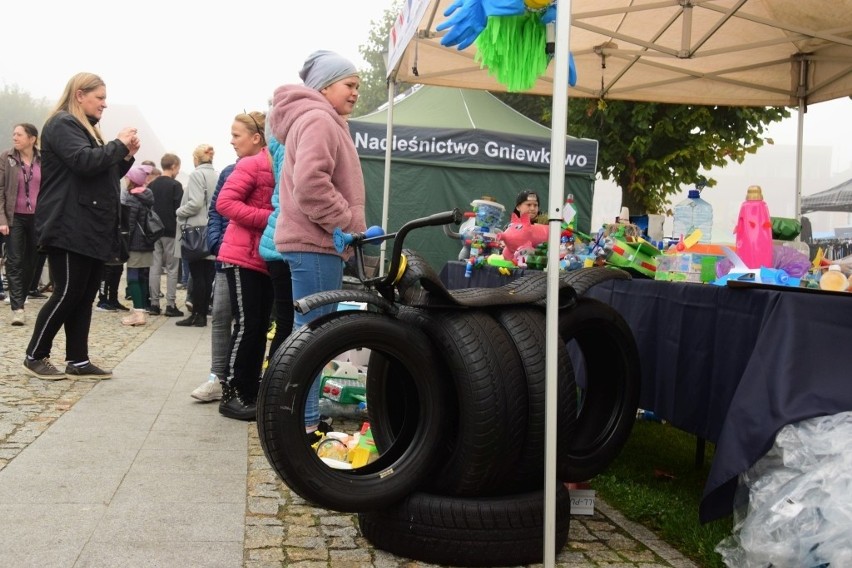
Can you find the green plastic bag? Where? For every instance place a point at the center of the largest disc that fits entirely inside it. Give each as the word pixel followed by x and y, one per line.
pixel 785 229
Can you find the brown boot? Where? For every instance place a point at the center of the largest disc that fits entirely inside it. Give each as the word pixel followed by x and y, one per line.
pixel 136 317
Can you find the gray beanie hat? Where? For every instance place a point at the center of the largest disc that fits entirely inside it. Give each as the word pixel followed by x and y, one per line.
pixel 322 68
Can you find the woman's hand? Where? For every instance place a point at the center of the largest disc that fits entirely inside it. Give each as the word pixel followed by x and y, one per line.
pixel 4 229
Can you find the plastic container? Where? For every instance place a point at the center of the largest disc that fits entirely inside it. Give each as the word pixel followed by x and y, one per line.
pixel 754 230
pixel 833 279
pixel 693 213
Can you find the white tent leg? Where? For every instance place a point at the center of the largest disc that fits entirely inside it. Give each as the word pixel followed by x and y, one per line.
pixel 800 136
pixel 557 195
pixel 386 182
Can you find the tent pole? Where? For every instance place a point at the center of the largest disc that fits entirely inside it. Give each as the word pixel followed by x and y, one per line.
pixel 800 137
pixel 558 143
pixel 386 181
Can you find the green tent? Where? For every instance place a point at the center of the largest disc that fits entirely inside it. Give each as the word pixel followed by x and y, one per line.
pixel 452 146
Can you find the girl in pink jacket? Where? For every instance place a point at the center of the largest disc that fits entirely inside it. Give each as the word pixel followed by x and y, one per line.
pixel 245 199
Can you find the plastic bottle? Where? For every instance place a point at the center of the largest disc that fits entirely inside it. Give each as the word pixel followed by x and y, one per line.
pixel 754 230
pixel 691 214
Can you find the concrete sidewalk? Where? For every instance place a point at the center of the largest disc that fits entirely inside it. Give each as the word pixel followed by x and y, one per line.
pixel 133 472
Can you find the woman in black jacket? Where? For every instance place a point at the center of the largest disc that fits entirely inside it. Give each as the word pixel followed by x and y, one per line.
pixel 77 222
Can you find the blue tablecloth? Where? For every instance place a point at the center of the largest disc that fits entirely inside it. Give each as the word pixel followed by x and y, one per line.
pixel 732 366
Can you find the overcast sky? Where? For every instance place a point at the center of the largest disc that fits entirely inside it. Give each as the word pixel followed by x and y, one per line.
pixel 190 67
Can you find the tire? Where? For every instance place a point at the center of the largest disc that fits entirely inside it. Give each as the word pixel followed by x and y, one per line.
pixel 609 396
pixel 403 465
pixel 492 401
pixel 526 328
pixel 496 531
pixel 583 279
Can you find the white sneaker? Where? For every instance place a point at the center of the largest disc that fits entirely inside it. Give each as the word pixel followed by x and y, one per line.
pixel 208 391
pixel 18 317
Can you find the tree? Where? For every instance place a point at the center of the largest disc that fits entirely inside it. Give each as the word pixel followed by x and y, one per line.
pixel 374 87
pixel 17 106
pixel 652 150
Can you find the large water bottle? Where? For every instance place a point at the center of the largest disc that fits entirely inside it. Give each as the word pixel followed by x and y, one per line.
pixel 691 214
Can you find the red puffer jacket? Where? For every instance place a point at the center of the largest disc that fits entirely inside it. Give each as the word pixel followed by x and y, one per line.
pixel 245 200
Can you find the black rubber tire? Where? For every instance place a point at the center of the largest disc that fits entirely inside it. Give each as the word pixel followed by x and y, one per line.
pixel 526 327
pixel 610 397
pixel 454 531
pixel 492 401
pixel 584 278
pixel 402 466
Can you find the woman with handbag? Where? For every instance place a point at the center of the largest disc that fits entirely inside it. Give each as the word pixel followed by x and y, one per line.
pixel 139 199
pixel 190 241
pixel 77 222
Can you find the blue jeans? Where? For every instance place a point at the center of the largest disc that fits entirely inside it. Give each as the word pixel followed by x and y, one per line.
pixel 313 272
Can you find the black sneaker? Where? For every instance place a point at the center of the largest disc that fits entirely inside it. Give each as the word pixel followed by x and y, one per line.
pixel 106 307
pixel 43 369
pixel 233 406
pixel 173 312
pixel 87 371
pixel 119 306
pixel 153 310
pixel 36 294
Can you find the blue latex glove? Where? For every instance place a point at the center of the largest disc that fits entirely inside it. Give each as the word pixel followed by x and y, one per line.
pixel 549 17
pixel 466 20
pixel 503 7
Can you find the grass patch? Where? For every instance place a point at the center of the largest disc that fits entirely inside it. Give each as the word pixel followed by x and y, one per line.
pixel 654 482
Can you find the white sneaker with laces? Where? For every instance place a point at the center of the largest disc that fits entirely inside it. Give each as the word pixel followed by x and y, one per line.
pixel 18 317
pixel 208 391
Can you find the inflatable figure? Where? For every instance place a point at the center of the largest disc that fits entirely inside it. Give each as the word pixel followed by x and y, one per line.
pixel 521 234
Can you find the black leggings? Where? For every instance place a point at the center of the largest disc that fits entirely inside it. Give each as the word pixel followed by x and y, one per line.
pixel 202 272
pixel 75 283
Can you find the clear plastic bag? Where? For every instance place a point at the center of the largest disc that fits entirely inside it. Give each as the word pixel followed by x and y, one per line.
pixel 794 506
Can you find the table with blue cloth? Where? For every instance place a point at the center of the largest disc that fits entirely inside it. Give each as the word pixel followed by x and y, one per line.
pixel 729 365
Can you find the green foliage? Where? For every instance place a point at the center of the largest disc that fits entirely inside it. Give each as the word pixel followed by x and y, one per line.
pixel 654 482
pixel 17 106
pixel 374 86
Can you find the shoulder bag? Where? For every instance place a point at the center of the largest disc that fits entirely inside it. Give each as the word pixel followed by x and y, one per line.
pixel 193 240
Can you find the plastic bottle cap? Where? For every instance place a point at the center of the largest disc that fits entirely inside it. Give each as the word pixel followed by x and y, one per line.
pixel 754 193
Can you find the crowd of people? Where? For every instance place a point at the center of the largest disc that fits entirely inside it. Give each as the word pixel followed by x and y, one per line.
pixel 81 202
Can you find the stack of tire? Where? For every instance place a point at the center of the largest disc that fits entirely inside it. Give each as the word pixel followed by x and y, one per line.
pixel 456 399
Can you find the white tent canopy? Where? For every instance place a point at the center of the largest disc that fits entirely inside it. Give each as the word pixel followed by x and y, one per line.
pixel 710 52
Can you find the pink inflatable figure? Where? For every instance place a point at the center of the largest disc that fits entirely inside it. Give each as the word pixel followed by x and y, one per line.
pixel 520 235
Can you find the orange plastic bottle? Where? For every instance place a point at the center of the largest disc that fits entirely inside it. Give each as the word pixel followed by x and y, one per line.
pixel 754 230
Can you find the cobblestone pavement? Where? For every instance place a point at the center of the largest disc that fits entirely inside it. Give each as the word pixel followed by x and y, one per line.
pixel 281 529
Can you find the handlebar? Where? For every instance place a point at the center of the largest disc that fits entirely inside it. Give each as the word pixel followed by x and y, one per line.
pixel 445 218
pixel 375 235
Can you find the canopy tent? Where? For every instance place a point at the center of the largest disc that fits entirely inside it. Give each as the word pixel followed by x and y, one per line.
pixel 708 52
pixel 713 52
pixel 451 146
pixel 838 198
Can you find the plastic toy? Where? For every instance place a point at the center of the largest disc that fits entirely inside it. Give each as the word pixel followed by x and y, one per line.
pixel 343 383
pixel 521 236
pixel 478 233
